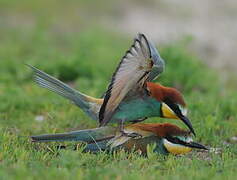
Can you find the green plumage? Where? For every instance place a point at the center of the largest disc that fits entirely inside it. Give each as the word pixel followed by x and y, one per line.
pixel 87 135
pixel 97 147
pixel 97 140
pixel 137 108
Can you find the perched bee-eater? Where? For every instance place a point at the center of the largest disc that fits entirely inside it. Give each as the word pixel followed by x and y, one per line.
pixel 168 138
pixel 130 97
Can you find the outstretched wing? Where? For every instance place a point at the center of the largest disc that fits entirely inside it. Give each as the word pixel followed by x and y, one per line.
pixel 141 62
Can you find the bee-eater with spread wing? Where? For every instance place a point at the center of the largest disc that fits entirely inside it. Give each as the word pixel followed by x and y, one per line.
pixel 130 96
pixel 168 138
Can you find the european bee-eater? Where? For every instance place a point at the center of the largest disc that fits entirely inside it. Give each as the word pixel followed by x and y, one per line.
pixel 130 96
pixel 91 106
pixel 128 91
pixel 168 138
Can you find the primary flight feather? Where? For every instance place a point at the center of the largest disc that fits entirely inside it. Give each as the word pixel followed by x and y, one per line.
pixel 141 63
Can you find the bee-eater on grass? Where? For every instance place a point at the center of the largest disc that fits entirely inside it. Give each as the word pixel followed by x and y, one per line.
pixel 168 138
pixel 131 96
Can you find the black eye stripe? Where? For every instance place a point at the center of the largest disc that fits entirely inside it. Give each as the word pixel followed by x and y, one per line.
pixel 173 106
pixel 176 140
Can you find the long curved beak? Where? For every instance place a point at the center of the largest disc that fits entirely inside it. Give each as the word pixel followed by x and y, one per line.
pixel 196 145
pixel 174 113
pixel 188 123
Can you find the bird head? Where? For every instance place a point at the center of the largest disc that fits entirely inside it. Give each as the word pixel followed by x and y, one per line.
pixel 178 141
pixel 181 144
pixel 171 138
pixel 173 105
pixel 174 139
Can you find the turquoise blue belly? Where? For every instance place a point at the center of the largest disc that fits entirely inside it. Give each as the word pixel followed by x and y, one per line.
pixel 137 109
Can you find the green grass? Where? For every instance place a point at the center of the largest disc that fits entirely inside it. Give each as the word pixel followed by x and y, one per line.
pixel 86 60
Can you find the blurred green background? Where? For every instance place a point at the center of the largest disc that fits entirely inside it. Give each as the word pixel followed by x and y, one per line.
pixel 81 43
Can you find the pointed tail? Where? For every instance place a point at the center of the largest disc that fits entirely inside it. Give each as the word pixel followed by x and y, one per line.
pixel 88 104
pixel 88 135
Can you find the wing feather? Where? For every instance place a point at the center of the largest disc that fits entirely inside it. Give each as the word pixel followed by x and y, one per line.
pixel 132 72
pixel 120 138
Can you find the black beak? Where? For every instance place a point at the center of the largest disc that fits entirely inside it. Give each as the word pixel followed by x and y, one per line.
pixel 174 107
pixel 196 145
pixel 187 122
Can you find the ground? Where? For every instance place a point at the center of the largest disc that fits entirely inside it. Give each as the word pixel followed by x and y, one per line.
pixel 85 57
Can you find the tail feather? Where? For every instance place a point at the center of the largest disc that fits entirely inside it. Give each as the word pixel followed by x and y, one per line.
pixel 88 135
pixel 97 147
pixel 88 104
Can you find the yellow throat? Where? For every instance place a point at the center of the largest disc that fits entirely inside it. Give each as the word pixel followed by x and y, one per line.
pixel 167 112
pixel 176 148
